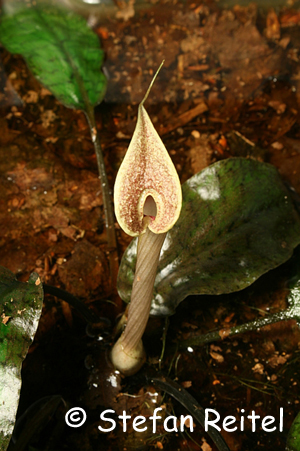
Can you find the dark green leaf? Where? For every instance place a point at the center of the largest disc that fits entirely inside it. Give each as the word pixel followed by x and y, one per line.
pixel 61 51
pixel 237 222
pixel 293 440
pixel 30 425
pixel 20 310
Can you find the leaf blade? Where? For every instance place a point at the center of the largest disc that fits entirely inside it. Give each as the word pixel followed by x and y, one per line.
pixel 61 50
pixel 20 310
pixel 293 439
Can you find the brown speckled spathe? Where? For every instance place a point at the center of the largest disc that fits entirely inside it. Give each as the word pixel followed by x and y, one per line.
pixel 147 169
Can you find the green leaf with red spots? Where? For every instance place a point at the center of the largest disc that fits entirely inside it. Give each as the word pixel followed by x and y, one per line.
pixel 20 310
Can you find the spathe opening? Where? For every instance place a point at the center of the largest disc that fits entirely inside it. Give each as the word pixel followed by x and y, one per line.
pixel 150 207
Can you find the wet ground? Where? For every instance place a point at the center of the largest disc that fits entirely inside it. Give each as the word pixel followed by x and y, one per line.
pixel 229 87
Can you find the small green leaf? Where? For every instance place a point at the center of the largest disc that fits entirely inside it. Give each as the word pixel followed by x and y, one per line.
pixel 293 439
pixel 20 310
pixel 237 222
pixel 60 50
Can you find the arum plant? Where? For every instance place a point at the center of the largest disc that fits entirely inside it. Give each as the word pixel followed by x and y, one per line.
pixel 147 197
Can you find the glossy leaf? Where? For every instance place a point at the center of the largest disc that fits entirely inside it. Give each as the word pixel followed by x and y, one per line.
pixel 60 50
pixel 237 222
pixel 293 439
pixel 20 310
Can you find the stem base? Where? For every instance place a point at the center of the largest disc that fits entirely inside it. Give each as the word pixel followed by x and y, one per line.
pixel 128 362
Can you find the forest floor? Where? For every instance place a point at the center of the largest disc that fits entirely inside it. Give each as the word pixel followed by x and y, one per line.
pixel 229 87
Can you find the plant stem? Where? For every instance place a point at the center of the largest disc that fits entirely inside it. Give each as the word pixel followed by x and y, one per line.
pixel 128 353
pixel 149 246
pixel 247 327
pixel 107 198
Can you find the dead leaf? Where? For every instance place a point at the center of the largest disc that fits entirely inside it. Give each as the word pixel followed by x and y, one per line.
pixel 218 357
pixel 278 106
pixel 224 333
pixel 277 360
pixel 186 384
pixel 205 446
pixel 85 271
pixel 258 368
pixel 273 26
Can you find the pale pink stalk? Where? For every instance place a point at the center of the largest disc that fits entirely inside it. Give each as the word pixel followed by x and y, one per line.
pixel 128 353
